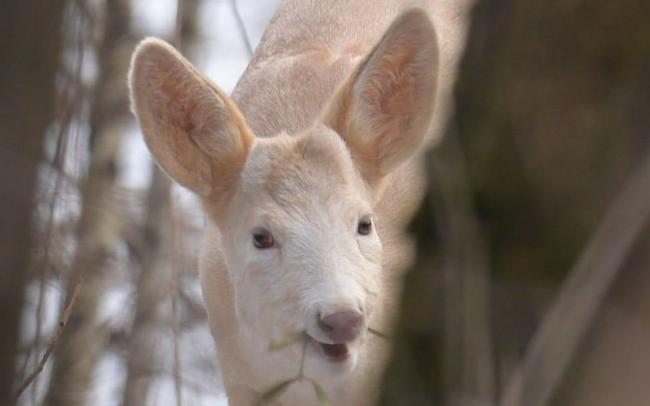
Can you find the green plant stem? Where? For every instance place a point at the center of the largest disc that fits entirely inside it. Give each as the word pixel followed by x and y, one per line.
pixel 302 359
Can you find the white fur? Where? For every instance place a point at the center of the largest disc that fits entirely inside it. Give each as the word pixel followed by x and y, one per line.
pixel 316 136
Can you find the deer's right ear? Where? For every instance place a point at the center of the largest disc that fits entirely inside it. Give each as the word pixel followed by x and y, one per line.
pixel 385 108
pixel 195 132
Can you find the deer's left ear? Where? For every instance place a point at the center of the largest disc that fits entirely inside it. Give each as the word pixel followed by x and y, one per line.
pixel 385 108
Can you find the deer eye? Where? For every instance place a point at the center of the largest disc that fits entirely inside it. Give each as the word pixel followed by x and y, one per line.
pixel 263 239
pixel 365 225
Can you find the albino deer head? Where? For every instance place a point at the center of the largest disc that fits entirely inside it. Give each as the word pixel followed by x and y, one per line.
pixel 295 211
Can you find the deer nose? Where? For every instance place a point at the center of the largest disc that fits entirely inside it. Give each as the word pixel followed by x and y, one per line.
pixel 341 327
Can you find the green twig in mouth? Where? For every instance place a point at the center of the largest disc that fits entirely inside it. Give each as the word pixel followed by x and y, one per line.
pixel 273 392
pixel 321 395
pixel 276 390
pixel 379 334
pixel 285 342
pixel 302 358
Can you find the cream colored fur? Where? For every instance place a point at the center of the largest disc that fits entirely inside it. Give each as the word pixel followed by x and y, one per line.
pixel 325 127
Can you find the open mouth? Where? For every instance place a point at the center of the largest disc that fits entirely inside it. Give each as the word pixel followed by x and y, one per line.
pixel 332 352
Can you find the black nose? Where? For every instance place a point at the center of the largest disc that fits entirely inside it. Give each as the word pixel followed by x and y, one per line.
pixel 341 327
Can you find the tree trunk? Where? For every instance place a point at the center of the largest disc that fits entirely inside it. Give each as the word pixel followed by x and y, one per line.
pixel 155 282
pixel 80 346
pixel 153 287
pixel 30 50
pixel 552 119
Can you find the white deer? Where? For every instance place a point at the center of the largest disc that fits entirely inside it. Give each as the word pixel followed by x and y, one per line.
pixel 308 175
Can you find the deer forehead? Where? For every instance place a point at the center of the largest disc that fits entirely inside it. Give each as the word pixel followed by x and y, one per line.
pixel 299 171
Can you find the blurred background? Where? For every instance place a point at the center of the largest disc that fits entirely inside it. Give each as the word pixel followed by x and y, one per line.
pixel 99 209
pixel 532 283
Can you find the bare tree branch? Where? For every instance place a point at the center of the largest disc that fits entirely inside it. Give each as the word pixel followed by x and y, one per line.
pixel 176 248
pixel 242 27
pixel 55 337
pixel 80 347
pixel 468 365
pixel 152 288
pixel 572 312
pixel 157 279
pixel 31 44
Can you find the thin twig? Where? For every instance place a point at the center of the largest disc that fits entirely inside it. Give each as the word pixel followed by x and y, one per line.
pixel 61 152
pixel 39 321
pixel 178 34
pixel 55 337
pixel 178 385
pixel 301 371
pixel 176 248
pixel 468 359
pixel 569 317
pixel 379 333
pixel 44 266
pixel 242 27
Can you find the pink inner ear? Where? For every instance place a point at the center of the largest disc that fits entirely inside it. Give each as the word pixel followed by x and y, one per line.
pixel 383 112
pixel 389 87
pixel 180 107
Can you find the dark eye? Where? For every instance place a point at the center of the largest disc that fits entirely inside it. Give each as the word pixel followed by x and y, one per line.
pixel 365 225
pixel 263 239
